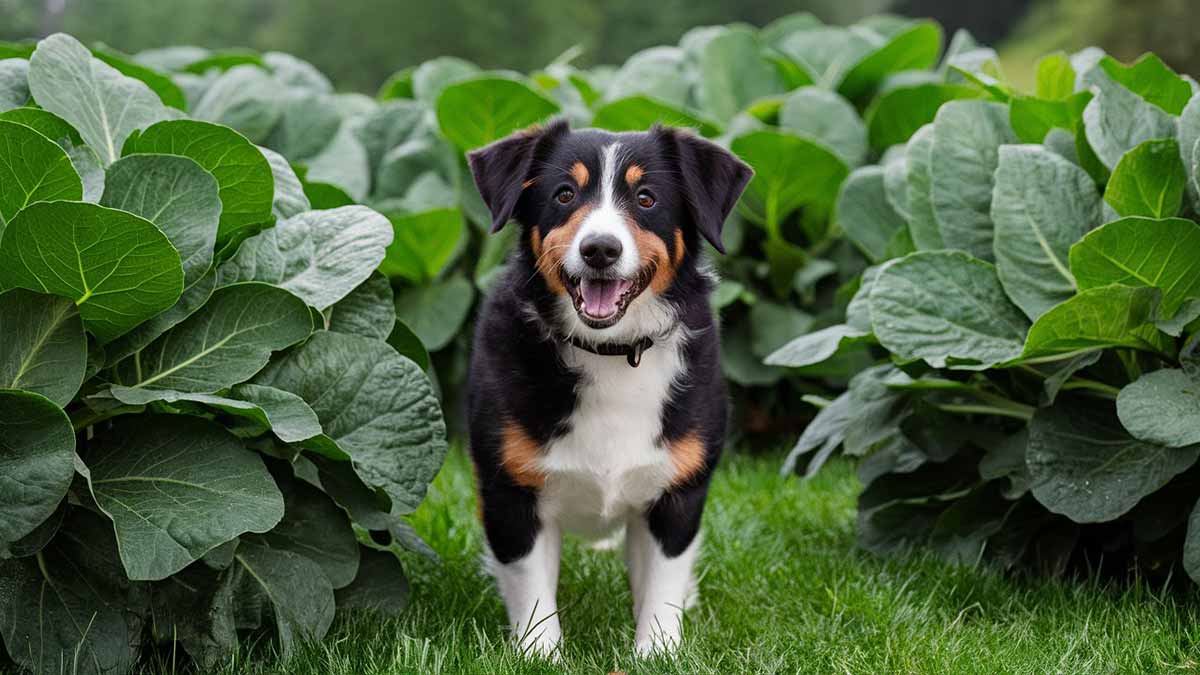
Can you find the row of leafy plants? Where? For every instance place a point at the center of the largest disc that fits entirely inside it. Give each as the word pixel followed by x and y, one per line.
pixel 211 422
pixel 803 102
pixel 1034 307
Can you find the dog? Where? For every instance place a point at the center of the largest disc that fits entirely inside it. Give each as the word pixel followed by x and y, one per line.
pixel 595 396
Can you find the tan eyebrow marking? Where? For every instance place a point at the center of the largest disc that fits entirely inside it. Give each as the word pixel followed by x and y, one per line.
pixel 528 184
pixel 580 173
pixel 633 174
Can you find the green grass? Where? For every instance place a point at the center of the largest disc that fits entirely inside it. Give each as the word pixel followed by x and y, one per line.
pixel 783 590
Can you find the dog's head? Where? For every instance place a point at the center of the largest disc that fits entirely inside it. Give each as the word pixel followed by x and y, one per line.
pixel 609 218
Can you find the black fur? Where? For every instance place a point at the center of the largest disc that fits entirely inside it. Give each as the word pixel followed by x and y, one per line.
pixel 516 374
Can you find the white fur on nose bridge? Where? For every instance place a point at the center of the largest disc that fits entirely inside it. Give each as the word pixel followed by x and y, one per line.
pixel 606 219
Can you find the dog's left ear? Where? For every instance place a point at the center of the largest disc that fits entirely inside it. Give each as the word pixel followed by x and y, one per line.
pixel 713 179
pixel 501 169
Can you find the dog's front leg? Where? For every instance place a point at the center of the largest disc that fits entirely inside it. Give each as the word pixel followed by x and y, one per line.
pixel 529 587
pixel 661 550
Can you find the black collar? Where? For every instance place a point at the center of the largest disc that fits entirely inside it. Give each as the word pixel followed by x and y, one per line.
pixel 631 351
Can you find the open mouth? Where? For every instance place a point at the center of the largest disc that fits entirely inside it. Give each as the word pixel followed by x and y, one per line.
pixel 601 302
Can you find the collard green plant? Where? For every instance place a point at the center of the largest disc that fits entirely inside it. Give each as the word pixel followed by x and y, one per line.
pixel 206 432
pixel 1035 400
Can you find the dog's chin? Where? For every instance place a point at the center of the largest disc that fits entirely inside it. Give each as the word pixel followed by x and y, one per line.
pixel 601 301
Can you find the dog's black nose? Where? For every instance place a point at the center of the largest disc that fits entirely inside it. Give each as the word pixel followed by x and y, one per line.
pixel 600 250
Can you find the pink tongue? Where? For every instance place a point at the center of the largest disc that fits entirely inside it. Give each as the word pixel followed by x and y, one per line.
pixel 600 296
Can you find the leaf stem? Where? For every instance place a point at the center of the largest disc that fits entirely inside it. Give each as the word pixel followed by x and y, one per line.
pixel 86 417
pixel 1106 390
pixel 1014 412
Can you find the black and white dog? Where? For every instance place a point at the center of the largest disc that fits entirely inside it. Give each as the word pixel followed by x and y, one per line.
pixel 596 399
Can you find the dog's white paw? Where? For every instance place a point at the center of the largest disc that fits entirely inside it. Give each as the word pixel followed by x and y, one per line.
pixel 658 645
pixel 541 646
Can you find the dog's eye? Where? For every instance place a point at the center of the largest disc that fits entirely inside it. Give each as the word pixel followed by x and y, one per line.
pixel 565 195
pixel 645 199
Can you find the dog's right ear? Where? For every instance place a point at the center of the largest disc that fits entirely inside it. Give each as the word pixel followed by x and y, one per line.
pixel 501 169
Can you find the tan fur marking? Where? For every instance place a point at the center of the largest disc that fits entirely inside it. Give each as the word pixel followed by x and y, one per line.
pixel 687 456
pixel 528 184
pixel 552 250
pixel 653 252
pixel 519 454
pixel 679 248
pixel 633 174
pixel 580 173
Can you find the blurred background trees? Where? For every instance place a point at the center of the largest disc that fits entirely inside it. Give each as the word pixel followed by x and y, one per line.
pixel 358 43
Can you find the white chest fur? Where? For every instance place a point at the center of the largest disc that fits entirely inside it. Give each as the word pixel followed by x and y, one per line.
pixel 611 463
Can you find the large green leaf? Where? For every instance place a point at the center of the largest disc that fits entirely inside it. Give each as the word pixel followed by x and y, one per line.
pixel 146 332
pixel 1151 79
pixel 245 98
pixel 177 487
pixel 423 243
pixel 297 589
pixel 436 312
pixel 369 310
pixel 289 191
pixel 408 345
pixel 342 163
pixel 71 609
pixel 733 73
pixel 95 98
pixel 896 114
pixel 865 214
pixel 945 307
pixel 1117 120
pixel 227 341
pixel 1107 316
pixel 32 169
pixel 922 225
pixel 916 47
pixel 167 91
pixel 817 346
pixel 1162 407
pixel 377 405
pixel 825 117
pixel 308 123
pixel 176 194
pixel 44 349
pixel 789 172
pixel 319 255
pixel 380 585
pixel 967 136
pixel 37 461
pixel 1041 205
pixel 657 72
pixel 247 185
pixel 315 527
pixel 1142 252
pixel 477 112
pixel 433 76
pixel 827 53
pixel 118 268
pixel 196 609
pixel 284 413
pixel 1083 465
pixel 639 113
pixel 1055 78
pixel 1033 118
pixel 1148 181
pixel 14 83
